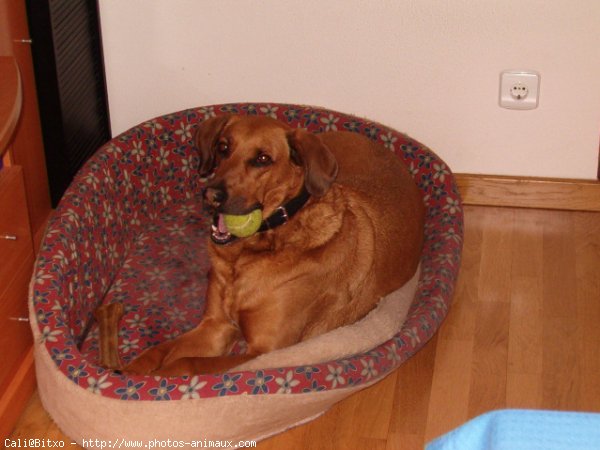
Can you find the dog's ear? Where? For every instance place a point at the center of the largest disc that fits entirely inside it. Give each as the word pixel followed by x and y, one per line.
pixel 206 138
pixel 320 166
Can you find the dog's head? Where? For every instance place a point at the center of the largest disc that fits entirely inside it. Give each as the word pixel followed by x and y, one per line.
pixel 258 162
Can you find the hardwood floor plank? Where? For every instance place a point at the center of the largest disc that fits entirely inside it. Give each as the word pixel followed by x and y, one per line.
pixel 375 408
pixel 487 390
pixel 494 282
pixel 587 247
pixel 561 364
pixel 525 342
pixel 362 443
pixel 450 387
pixel 403 441
pixel 559 277
pixel 411 396
pixel 413 391
pixel 524 391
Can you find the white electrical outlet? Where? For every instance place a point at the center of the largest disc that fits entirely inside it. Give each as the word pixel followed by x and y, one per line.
pixel 519 89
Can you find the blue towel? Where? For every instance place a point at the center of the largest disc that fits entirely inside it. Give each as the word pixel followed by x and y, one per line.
pixel 516 429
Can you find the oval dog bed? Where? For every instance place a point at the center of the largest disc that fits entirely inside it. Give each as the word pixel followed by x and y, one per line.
pixel 130 229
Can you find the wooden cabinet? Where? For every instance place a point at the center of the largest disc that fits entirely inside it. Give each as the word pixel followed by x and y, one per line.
pixel 24 209
pixel 16 261
pixel 16 258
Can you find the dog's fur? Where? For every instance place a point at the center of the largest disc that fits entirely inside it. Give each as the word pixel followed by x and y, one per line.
pixel 358 238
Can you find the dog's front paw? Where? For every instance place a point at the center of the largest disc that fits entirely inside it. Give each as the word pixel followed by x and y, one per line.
pixel 148 362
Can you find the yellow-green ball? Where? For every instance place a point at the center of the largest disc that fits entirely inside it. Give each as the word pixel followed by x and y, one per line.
pixel 244 225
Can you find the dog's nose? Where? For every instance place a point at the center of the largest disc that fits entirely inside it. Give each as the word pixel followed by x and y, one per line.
pixel 215 196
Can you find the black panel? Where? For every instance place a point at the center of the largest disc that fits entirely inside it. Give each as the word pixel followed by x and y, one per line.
pixel 69 73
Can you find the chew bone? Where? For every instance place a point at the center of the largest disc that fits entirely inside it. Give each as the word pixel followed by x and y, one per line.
pixel 108 317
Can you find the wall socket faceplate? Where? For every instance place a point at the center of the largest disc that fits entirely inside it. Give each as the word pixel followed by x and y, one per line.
pixel 519 89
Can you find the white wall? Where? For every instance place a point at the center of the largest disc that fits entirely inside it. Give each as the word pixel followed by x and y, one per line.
pixel 427 67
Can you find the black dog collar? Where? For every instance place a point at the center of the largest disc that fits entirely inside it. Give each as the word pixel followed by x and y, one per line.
pixel 285 212
pixel 279 217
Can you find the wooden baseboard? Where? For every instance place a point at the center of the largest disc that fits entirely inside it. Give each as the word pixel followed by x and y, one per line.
pixel 529 192
pixel 16 396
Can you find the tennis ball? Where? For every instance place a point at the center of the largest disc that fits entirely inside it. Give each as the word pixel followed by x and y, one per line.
pixel 244 225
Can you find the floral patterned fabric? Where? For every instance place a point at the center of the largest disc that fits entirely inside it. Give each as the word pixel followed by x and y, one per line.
pixel 131 229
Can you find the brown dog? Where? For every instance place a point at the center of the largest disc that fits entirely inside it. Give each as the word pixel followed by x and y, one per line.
pixel 354 233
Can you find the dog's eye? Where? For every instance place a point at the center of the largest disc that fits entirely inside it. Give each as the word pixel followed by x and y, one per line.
pixel 223 148
pixel 262 159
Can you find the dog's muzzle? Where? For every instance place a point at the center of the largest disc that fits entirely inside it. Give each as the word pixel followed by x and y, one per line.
pixel 280 216
pixel 214 197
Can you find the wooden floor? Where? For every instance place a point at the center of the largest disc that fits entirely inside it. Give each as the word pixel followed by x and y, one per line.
pixel 523 332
